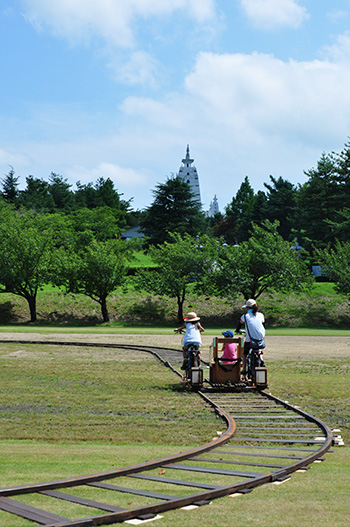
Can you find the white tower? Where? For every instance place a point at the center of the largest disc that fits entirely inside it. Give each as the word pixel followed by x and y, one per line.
pixel 214 208
pixel 189 174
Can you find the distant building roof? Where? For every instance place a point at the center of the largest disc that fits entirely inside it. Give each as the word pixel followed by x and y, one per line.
pixel 132 232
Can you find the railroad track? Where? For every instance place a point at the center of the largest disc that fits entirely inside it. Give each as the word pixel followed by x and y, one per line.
pixel 266 439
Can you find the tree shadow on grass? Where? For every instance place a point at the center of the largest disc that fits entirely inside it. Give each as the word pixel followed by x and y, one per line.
pixel 68 320
pixel 7 314
pixel 149 310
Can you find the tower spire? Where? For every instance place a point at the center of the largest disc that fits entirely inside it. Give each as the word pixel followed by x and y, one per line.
pixel 187 160
pixel 189 174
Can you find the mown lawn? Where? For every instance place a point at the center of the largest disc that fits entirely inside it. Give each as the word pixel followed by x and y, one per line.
pixel 72 410
pixel 62 393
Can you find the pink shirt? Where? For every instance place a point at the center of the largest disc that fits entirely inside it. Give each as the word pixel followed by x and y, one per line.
pixel 229 349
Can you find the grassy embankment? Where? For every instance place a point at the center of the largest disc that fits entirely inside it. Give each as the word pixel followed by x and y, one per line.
pixel 71 410
pixel 321 308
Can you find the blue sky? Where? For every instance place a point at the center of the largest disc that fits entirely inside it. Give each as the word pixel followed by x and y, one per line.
pixel 118 88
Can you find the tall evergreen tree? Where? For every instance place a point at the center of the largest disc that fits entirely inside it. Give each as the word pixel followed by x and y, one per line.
pixel 10 190
pixel 106 193
pixel 259 211
pixel 341 162
pixel 239 214
pixel 102 194
pixel 37 195
pixel 281 204
pixel 61 192
pixel 174 209
pixel 317 201
pixel 340 227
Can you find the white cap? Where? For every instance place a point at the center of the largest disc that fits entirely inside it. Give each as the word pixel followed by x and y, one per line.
pixel 250 303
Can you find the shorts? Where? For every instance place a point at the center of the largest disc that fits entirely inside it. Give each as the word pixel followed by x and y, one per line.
pixel 186 346
pixel 246 348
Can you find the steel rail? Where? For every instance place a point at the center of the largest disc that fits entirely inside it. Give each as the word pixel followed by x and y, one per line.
pixel 115 514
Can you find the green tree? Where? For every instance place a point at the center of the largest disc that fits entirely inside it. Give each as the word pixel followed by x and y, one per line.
pixel 263 263
pixel 335 264
pixel 37 195
pixel 100 194
pixel 106 194
pixel 96 270
pixel 101 223
pixel 323 198
pixel 260 206
pixel 340 226
pixel 281 204
pixel 239 214
pixel 10 190
pixel 317 201
pixel 182 263
pixel 342 177
pixel 61 192
pixel 26 245
pixel 173 210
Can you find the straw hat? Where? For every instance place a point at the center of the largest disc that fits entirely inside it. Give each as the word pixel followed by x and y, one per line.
pixel 191 317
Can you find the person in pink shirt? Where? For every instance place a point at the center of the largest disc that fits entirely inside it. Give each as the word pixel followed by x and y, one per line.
pixel 229 348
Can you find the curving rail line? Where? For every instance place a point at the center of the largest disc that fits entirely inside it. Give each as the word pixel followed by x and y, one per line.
pixel 265 441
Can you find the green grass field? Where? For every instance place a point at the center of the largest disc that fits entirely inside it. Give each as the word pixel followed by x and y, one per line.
pixel 71 410
pixel 120 329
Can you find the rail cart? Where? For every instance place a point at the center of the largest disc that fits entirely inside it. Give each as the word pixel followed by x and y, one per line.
pixel 224 371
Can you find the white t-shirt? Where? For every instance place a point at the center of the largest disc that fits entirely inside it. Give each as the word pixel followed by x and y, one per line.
pixel 193 334
pixel 253 325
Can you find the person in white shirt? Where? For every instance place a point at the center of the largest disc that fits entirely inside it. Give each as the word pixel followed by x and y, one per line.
pixel 192 335
pixel 254 322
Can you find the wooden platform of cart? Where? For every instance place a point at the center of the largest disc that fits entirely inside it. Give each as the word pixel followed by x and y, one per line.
pixel 224 371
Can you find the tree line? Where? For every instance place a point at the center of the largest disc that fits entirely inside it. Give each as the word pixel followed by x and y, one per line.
pixel 316 212
pixel 41 249
pixel 72 239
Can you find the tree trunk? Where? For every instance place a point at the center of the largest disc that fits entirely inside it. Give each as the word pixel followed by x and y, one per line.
pixel 104 310
pixel 180 303
pixel 31 299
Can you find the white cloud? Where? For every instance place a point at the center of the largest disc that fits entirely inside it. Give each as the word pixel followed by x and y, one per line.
pixel 14 159
pixel 340 51
pixel 338 15
pixel 246 114
pixel 159 113
pixel 242 114
pixel 265 95
pixel 124 177
pixel 79 20
pixel 141 68
pixel 270 14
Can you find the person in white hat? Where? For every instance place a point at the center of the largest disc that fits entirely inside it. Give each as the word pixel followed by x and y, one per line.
pixel 193 334
pixel 256 324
